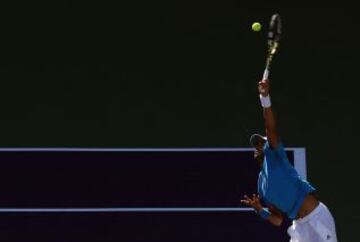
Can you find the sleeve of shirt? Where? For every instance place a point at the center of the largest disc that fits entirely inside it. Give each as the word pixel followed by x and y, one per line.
pixel 278 153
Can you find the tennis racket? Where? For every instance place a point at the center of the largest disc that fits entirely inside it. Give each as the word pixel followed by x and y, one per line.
pixel 273 41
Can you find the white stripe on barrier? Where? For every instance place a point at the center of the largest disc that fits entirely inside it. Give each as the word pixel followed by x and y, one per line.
pixel 123 210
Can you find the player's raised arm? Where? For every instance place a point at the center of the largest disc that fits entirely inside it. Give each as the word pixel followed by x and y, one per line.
pixel 269 117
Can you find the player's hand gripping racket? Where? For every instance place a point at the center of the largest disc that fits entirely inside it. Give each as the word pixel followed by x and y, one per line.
pixel 273 41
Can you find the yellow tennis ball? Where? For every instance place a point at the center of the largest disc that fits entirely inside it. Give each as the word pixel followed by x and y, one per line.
pixel 256 26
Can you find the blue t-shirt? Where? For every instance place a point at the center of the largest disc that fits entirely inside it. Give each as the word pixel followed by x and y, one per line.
pixel 280 184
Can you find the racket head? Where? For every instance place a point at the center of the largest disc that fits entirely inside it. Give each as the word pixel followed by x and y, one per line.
pixel 274 33
pixel 273 41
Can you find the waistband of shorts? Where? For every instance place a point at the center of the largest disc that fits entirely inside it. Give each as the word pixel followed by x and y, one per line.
pixel 308 217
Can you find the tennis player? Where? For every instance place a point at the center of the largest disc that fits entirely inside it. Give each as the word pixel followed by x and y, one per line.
pixel 281 191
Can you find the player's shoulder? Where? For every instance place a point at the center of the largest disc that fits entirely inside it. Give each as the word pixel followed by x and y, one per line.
pixel 271 148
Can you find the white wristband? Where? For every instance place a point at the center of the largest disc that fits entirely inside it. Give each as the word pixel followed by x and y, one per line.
pixel 265 101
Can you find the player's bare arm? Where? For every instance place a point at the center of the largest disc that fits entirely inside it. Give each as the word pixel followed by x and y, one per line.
pixel 276 217
pixel 269 117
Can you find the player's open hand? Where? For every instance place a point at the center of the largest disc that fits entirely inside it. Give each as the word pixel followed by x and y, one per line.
pixel 264 87
pixel 252 202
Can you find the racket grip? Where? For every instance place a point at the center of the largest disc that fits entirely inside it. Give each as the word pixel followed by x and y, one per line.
pixel 266 74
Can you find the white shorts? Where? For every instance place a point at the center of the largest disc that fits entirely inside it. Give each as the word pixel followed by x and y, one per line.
pixel 318 226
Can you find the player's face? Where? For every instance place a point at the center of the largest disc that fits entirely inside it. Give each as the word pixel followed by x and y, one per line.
pixel 259 152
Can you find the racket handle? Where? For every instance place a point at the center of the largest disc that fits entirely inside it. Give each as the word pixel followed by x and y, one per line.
pixel 266 74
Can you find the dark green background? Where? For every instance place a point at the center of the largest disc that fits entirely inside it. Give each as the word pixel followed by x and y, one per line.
pixel 184 74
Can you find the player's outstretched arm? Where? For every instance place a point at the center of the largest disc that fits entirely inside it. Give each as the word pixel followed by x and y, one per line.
pixel 269 117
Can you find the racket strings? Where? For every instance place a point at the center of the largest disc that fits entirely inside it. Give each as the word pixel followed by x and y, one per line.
pixel 274 36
